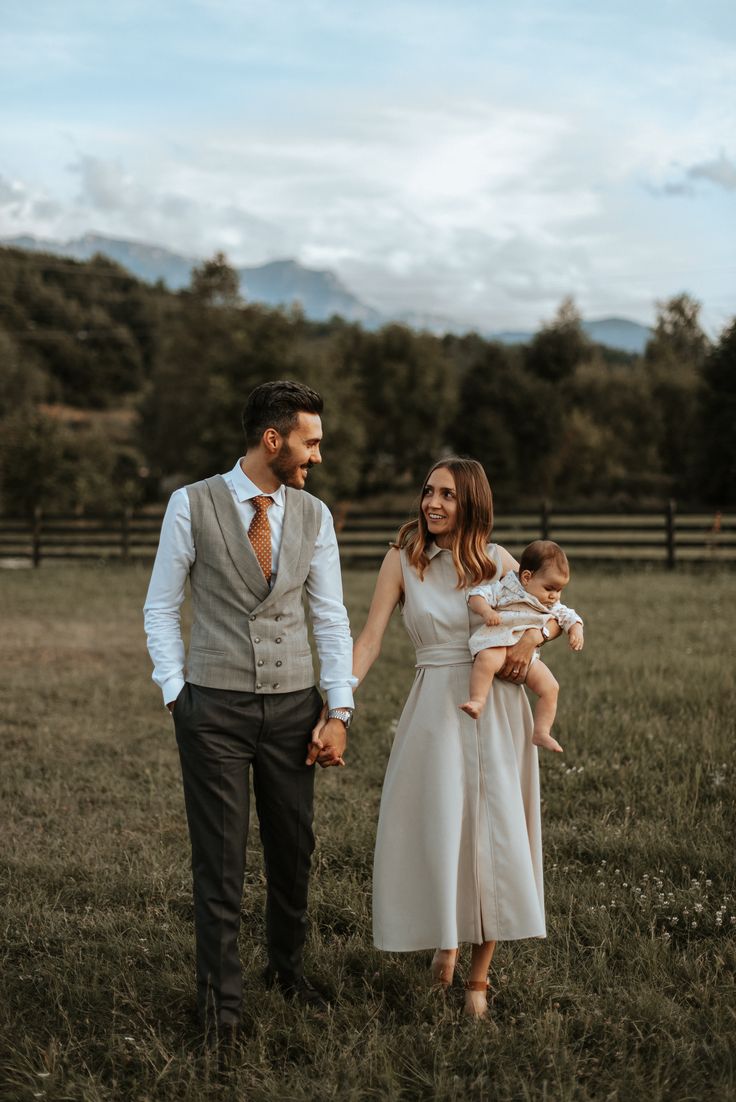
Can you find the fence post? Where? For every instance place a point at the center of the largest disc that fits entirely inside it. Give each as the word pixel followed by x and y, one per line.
pixel 670 533
pixel 544 520
pixel 125 534
pixel 36 535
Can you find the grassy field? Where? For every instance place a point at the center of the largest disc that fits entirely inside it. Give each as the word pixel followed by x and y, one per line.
pixel 631 996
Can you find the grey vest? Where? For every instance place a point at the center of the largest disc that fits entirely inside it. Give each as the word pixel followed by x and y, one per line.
pixel 245 636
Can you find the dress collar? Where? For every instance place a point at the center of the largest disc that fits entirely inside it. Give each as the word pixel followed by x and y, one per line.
pixel 245 489
pixel 434 549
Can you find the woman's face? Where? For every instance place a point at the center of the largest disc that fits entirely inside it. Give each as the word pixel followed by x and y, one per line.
pixel 439 505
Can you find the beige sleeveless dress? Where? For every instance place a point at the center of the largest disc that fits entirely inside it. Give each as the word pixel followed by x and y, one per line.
pixel 458 850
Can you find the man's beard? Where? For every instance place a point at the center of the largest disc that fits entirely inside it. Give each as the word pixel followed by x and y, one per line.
pixel 285 468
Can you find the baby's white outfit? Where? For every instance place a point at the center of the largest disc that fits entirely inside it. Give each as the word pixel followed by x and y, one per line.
pixel 519 610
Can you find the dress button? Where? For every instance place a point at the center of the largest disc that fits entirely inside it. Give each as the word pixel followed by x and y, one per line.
pixel 251 618
pixel 260 662
pixel 279 663
pixel 277 639
pixel 257 639
pixel 259 685
pixel 275 685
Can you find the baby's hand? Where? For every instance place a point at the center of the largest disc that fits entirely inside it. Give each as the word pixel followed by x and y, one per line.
pixel 575 637
pixel 480 606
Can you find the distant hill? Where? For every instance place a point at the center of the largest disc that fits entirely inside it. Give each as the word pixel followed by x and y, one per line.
pixel 283 282
pixel 629 336
pixel 278 283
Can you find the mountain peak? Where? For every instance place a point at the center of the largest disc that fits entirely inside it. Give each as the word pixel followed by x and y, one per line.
pixel 285 280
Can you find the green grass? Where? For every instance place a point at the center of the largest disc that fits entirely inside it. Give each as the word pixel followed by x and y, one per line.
pixel 631 996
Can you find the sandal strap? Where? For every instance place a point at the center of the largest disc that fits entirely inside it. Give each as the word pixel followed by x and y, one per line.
pixel 477 985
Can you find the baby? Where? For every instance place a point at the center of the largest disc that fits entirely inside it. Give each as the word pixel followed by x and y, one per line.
pixel 529 599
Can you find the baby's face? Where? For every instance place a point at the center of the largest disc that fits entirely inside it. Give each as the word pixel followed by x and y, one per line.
pixel 546 584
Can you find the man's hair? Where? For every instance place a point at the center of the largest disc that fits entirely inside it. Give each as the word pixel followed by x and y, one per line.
pixel 541 553
pixel 277 406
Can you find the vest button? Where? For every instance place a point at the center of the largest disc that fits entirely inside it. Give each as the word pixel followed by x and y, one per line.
pixel 275 685
pixel 260 662
pixel 279 663
pixel 251 618
pixel 257 639
pixel 277 639
pixel 278 618
pixel 259 685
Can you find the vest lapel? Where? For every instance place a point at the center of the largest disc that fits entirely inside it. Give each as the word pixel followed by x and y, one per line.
pixel 236 538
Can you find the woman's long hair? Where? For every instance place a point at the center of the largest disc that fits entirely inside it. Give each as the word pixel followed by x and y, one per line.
pixel 473 525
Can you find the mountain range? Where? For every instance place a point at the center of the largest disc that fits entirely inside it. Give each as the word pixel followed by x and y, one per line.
pixel 282 282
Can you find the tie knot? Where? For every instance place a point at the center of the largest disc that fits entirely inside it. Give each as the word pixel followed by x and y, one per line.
pixel 262 504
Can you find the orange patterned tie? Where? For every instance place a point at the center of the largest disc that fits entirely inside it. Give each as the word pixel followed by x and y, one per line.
pixel 259 534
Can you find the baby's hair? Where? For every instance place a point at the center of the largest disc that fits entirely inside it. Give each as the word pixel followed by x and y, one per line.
pixel 541 553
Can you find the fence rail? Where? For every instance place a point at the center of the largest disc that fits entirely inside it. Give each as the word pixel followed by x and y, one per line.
pixel 664 537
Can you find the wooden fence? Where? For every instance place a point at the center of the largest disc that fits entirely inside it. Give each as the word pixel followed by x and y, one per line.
pixel 666 537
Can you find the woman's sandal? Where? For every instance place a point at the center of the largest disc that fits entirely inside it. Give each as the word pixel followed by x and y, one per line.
pixel 442 971
pixel 470 1008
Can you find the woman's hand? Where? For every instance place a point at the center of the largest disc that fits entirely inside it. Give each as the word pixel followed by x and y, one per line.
pixel 518 657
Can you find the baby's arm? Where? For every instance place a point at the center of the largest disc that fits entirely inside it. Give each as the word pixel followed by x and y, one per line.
pixel 481 606
pixel 570 622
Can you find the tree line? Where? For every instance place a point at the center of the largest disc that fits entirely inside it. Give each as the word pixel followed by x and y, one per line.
pixel 112 391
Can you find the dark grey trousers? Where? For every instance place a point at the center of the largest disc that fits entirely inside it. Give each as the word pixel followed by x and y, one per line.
pixel 220 734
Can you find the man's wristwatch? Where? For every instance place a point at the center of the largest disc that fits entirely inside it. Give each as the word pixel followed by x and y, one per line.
pixel 344 714
pixel 545 634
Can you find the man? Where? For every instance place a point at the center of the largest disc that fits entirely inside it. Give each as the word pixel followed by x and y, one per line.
pixel 250 542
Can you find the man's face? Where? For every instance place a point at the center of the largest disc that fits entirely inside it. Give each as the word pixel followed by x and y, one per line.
pixel 299 451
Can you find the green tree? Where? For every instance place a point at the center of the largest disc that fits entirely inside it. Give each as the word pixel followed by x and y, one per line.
pixel 674 359
pixel 678 339
pixel 22 381
pixel 557 349
pixel 718 421
pixel 215 283
pixel 31 452
pixel 408 397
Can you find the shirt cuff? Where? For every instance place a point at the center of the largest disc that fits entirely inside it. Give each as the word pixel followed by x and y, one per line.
pixel 171 689
pixel 340 697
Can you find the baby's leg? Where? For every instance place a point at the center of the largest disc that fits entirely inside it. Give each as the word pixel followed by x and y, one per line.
pixel 541 681
pixel 486 665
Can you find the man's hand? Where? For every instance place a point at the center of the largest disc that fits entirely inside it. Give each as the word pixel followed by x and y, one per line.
pixel 328 744
pixel 518 657
pixel 575 637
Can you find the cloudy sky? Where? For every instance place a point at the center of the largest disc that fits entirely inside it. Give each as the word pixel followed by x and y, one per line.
pixel 472 158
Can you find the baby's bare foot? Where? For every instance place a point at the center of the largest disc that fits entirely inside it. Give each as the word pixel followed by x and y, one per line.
pixel 472 707
pixel 545 740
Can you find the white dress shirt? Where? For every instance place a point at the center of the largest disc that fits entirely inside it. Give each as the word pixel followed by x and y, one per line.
pixel 174 558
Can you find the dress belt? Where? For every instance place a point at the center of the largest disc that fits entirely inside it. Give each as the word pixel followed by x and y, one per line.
pixel 444 654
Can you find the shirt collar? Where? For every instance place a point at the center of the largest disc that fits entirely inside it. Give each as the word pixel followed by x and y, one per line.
pixel 245 489
pixel 433 550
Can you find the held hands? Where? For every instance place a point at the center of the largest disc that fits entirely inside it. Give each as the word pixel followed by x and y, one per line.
pixel 575 637
pixel 328 742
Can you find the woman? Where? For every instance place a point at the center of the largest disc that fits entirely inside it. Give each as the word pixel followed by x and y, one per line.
pixel 458 850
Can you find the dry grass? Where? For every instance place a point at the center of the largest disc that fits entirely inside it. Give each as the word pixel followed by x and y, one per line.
pixel 630 997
